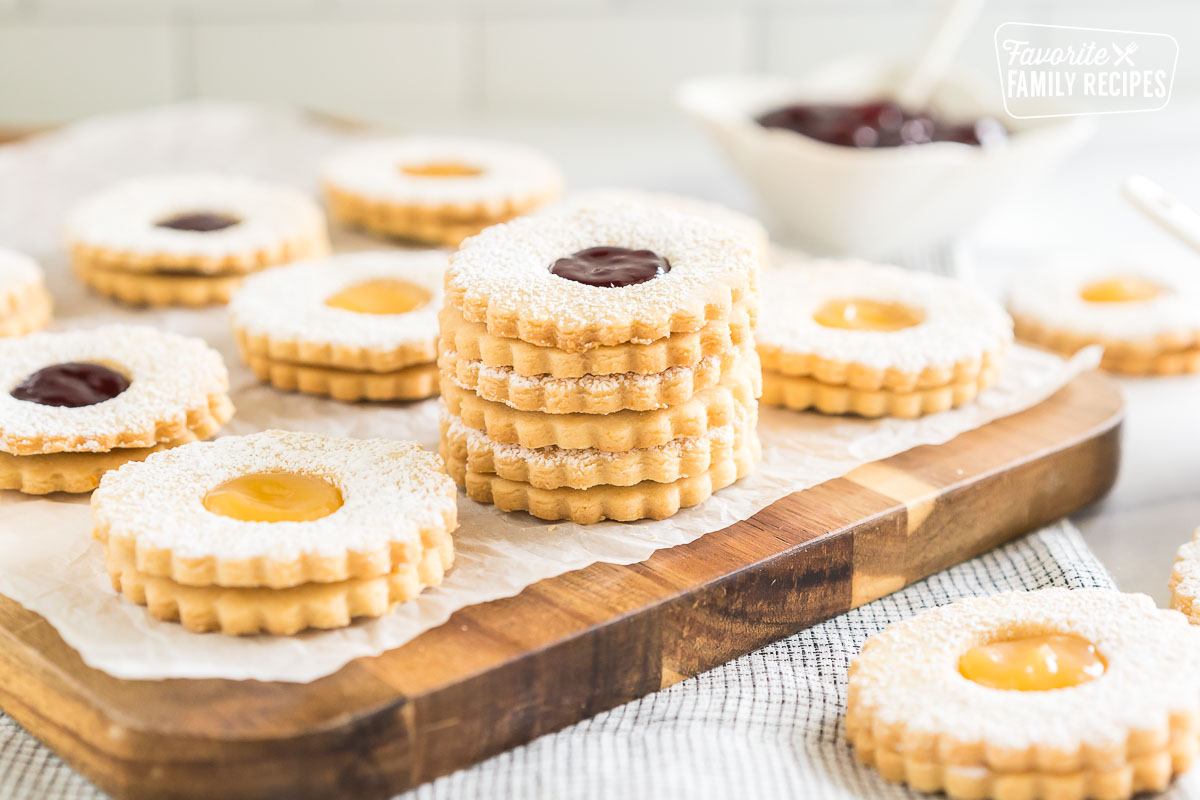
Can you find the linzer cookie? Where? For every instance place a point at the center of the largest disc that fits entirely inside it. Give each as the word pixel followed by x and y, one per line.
pixel 603 366
pixel 436 190
pixel 25 304
pixel 851 337
pixel 590 393
pixel 1147 324
pixel 277 532
pixel 546 281
pixel 1053 694
pixel 189 239
pixel 558 468
pixel 353 327
pixel 470 341
pixel 78 404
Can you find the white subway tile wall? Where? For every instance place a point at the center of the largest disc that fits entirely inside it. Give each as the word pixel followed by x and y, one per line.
pixel 437 61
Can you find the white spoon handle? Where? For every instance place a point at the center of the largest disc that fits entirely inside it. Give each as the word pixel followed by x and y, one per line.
pixel 957 18
pixel 1172 215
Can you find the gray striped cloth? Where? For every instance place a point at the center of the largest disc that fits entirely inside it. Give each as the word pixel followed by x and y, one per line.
pixel 768 725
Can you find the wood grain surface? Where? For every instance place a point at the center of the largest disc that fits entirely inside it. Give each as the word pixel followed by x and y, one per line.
pixel 499 674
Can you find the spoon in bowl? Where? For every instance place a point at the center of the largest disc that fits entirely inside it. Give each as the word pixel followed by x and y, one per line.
pixel 957 18
pixel 1169 213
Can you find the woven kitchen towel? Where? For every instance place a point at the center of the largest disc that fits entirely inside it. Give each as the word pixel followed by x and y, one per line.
pixel 768 725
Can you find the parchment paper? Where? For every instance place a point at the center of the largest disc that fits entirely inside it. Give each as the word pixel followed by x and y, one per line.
pixel 49 564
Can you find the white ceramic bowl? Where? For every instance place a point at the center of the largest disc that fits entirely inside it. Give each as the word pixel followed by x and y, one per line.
pixel 873 202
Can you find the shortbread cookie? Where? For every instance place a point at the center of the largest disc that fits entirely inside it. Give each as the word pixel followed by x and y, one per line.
pixel 613 433
pixel 471 341
pixel 365 312
pixel 242 611
pixel 799 394
pixel 1136 316
pixel 1048 694
pixel 120 386
pixel 1184 362
pixel 81 472
pixel 193 224
pixel 350 386
pixel 875 327
pixel 646 500
pixel 556 468
pixel 25 303
pixel 747 226
pixel 601 276
pixel 169 516
pixel 1185 579
pixel 590 394
pixel 159 289
pixel 437 190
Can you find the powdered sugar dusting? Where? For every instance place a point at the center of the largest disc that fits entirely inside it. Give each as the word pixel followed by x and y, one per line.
pixel 169 376
pixel 1052 298
pixel 124 217
pixel 746 225
pixel 390 491
pixel 289 302
pixel 909 674
pixel 960 323
pixel 509 172
pixel 596 384
pixel 18 272
pixel 509 265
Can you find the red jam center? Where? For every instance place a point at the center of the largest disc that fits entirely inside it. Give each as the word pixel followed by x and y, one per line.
pixel 71 385
pixel 879 124
pixel 199 222
pixel 611 267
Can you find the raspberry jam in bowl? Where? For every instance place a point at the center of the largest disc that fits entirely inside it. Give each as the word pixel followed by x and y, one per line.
pixel 840 169
pixel 880 123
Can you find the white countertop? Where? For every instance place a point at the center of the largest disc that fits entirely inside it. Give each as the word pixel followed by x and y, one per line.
pixel 1156 502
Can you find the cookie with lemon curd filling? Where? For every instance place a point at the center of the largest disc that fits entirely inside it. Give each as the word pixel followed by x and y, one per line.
pixel 876 327
pixel 601 276
pixel 747 226
pixel 77 404
pixel 242 611
pixel 436 190
pixel 1148 324
pixel 358 326
pixel 276 510
pixel 25 303
pixel 1054 693
pixel 189 239
pixel 802 393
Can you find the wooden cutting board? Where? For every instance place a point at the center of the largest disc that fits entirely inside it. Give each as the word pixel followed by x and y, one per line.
pixel 499 674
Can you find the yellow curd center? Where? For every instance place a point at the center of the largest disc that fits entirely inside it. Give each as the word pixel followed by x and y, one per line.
pixel 441 169
pixel 382 296
pixel 1033 663
pixel 1127 289
pixel 274 497
pixel 867 315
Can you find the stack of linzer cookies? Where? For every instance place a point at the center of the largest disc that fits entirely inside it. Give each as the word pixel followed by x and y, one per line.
pixel 598 362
